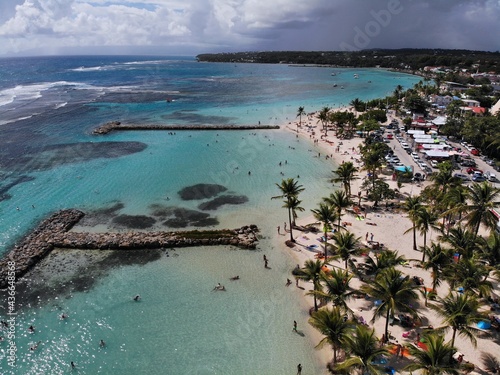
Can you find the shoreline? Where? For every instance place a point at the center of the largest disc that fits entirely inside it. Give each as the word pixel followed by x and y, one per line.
pixel 387 226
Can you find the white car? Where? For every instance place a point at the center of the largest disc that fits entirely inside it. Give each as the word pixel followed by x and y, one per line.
pixel 405 145
pixel 434 163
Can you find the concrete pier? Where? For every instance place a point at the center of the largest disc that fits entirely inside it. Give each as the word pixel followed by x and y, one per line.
pixel 54 232
pixel 116 125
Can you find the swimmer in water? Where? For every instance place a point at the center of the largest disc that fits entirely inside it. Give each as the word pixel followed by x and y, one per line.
pixel 34 347
pixel 137 298
pixel 102 344
pixel 235 278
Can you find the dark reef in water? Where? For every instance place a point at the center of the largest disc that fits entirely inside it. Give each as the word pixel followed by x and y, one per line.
pixel 19 180
pixel 178 217
pixel 43 158
pixel 190 117
pixel 201 191
pixel 134 221
pixel 101 216
pixel 222 200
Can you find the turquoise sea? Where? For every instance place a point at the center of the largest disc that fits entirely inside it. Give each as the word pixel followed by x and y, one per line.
pixel 49 160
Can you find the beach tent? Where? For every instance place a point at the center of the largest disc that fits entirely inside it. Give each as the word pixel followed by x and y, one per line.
pixel 484 324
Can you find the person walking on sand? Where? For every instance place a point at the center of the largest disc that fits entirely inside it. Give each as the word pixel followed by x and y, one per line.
pixel 366 236
pixel 371 237
pixel 288 282
pixel 299 369
pixel 295 326
pixel 279 229
pixel 284 226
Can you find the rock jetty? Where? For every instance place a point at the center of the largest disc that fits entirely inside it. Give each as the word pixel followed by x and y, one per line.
pixel 117 125
pixel 54 232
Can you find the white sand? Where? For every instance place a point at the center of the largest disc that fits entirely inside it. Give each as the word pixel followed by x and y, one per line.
pixel 389 230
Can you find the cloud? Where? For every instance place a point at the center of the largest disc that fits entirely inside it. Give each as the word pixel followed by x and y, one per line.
pixel 220 25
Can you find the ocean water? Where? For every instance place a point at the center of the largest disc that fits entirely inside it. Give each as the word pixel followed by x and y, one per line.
pixel 49 160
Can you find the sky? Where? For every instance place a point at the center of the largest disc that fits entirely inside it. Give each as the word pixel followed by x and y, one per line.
pixel 189 27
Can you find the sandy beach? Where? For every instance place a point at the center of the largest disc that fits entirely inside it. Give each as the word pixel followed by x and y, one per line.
pixel 384 226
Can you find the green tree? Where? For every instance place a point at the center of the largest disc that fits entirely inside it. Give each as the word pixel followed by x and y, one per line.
pixel 483 198
pixel 460 314
pixel 336 289
pixel 395 292
pixel 290 190
pixel 438 259
pixel 326 214
pixel 331 324
pixel 425 221
pixel 312 271
pixel 461 240
pixel 300 112
pixel 363 350
pixel 412 206
pixel 338 200
pixel 377 190
pixel 346 245
pixel 490 253
pixel 470 275
pixel 382 261
pixel 435 360
pixel 346 172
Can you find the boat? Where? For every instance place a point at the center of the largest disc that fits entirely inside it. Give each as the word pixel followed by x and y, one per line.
pixel 334 85
pixel 356 76
pixel 334 74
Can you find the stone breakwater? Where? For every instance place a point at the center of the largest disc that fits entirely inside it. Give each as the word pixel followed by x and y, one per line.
pixel 116 125
pixel 54 232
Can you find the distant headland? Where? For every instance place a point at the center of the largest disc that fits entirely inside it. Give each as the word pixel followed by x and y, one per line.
pixel 399 59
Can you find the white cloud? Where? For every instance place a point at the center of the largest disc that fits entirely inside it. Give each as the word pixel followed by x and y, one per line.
pixel 244 24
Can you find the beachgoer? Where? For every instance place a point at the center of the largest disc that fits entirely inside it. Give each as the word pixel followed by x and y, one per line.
pixel 217 287
pixel 31 329
pixel 297 282
pixel 266 264
pixel 235 278
pixel 295 326
pixel 279 229
pixel 63 316
pixel 371 237
pixel 137 298
pixel 73 365
pixel 34 347
pixel 299 369
pixel 366 236
pixel 284 226
pixel 102 344
pixel 288 282
pixel 264 257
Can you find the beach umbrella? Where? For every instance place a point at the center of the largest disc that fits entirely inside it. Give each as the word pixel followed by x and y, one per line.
pixel 484 324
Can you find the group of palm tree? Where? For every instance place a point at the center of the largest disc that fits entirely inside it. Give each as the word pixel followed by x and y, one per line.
pixel 464 253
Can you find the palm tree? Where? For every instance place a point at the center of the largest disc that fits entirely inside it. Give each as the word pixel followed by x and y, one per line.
pixel 331 323
pixel 323 117
pixel 325 214
pixel 437 260
pixel 346 172
pixel 425 221
pixel 336 289
pixel 470 275
pixel 460 313
pixel 363 350
pixel 412 206
pixel 483 198
pixel 490 252
pixel 395 292
pixel 290 190
pixel 461 241
pixel 385 259
pixel 338 200
pixel 345 244
pixel 312 271
pixel 435 360
pixel 300 113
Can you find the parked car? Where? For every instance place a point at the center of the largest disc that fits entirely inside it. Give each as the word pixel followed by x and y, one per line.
pixel 474 151
pixel 462 176
pixel 468 163
pixel 471 170
pixel 434 163
pixel 478 178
